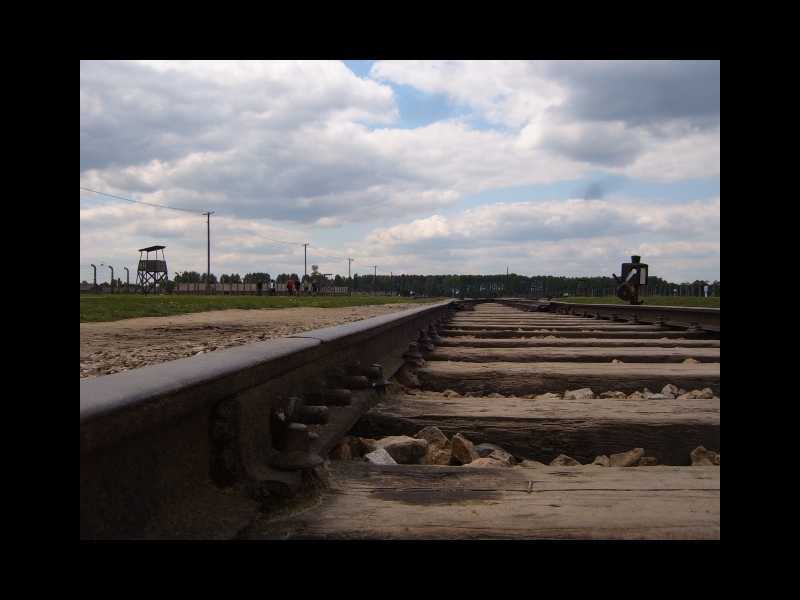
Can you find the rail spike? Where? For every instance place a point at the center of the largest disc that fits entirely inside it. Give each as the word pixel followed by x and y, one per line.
pixel 377 378
pixel 413 354
pixel 424 341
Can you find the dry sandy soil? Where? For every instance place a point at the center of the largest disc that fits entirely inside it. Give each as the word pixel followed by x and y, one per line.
pixel 117 346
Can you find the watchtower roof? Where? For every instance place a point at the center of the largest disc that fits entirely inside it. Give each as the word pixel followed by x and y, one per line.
pixel 151 248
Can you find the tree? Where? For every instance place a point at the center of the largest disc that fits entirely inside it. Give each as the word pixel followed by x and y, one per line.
pixel 257 278
pixel 471 286
pixel 232 278
pixel 189 277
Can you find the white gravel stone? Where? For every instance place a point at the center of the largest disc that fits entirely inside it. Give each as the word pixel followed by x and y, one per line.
pixel 562 460
pixel 626 459
pixel 702 457
pixel 463 450
pixel 433 435
pixel 670 390
pixel 403 449
pixel 380 457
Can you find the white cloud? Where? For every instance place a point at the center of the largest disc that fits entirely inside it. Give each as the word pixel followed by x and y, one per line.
pixel 340 171
pixel 692 156
pixel 554 220
pixel 507 92
pixel 576 237
pixel 281 149
pixel 631 115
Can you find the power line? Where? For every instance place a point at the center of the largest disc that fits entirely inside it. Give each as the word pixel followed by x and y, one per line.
pixel 196 212
pixel 207 215
pixel 283 242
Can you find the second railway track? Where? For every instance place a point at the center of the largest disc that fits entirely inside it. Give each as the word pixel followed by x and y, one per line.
pixel 491 372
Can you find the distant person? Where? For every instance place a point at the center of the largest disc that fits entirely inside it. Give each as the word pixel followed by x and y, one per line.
pixel 290 286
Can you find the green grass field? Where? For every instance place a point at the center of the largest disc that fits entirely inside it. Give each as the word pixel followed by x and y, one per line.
pixel 649 301
pixel 108 307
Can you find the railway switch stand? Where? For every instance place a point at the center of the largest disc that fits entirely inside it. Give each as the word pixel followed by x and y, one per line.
pixel 632 277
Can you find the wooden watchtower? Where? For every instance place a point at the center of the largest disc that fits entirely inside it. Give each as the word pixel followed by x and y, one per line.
pixel 152 274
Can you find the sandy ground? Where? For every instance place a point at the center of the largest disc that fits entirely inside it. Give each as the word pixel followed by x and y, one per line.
pixel 131 343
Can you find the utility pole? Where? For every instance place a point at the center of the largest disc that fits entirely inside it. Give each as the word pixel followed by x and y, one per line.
pixel 374 277
pixel 127 279
pixel 95 277
pixel 208 264
pixel 305 258
pixel 112 278
pixel 349 262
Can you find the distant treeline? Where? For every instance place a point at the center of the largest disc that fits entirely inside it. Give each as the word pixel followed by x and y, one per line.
pixel 470 286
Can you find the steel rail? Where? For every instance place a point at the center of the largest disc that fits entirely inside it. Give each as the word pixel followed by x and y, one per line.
pixel 692 318
pixel 181 448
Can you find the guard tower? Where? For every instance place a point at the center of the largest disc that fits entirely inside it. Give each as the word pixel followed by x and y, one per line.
pixel 152 274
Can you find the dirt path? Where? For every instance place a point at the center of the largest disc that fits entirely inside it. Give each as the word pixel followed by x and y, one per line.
pixel 122 345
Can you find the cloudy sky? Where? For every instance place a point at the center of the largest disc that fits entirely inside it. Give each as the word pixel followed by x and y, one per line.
pixel 562 168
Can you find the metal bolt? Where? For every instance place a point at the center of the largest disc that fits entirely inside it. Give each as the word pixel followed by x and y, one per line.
pixel 329 397
pixel 413 352
pixel 374 371
pixel 424 341
pixel 296 437
pixel 433 334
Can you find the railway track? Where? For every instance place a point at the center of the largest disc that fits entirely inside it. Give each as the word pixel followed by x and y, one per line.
pixel 266 441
